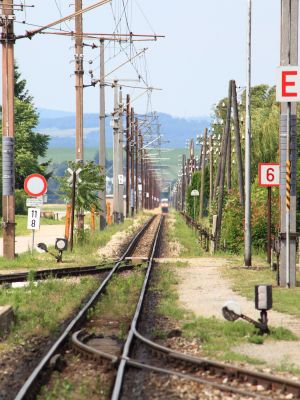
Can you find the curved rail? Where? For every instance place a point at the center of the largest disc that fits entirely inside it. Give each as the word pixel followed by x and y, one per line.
pixel 36 374
pixel 78 339
pixel 120 374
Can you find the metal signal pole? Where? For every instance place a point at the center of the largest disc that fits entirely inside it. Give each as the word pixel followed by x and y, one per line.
pixel 247 252
pixel 288 149
pixel 8 131
pixel 102 145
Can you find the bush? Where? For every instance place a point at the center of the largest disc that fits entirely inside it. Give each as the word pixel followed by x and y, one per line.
pixel 232 233
pixel 21 196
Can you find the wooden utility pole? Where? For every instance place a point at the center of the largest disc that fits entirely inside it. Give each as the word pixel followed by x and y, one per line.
pixel 136 132
pixel 203 155
pixel 288 148
pixel 120 159
pixel 223 166
pixel 238 144
pixel 115 153
pixel 229 162
pixel 211 170
pixel 8 130
pixel 127 154
pixel 132 161
pixel 79 94
pixel 102 145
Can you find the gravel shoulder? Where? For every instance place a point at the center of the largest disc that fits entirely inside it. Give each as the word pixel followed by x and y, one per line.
pixel 203 290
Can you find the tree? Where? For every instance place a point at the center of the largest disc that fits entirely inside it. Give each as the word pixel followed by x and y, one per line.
pixel 91 183
pixel 29 145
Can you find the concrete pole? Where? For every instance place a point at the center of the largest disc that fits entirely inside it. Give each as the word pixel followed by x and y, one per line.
pixel 132 200
pixel 102 145
pixel 142 170
pixel 247 250
pixel 288 149
pixel 136 131
pixel 79 81
pixel 115 153
pixel 127 154
pixel 203 154
pixel 120 158
pixel 79 95
pixel 8 130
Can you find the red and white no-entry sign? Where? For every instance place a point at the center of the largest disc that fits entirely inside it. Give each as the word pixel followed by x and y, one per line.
pixel 35 185
pixel 268 174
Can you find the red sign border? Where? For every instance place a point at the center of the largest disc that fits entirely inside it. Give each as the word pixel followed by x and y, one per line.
pixel 259 174
pixel 35 176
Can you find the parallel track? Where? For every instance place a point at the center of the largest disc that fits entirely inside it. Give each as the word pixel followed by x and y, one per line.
pixel 59 273
pixel 35 380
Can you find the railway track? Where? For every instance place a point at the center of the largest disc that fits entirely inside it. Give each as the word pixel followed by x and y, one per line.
pixel 60 273
pixel 162 360
pixel 240 382
pixel 44 368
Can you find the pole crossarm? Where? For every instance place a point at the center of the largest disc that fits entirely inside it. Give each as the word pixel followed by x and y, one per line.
pixel 30 34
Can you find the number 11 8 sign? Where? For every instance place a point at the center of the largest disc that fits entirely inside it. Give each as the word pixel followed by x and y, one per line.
pixel 33 221
pixel 268 174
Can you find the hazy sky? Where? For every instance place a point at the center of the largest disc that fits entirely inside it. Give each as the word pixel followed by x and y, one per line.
pixel 204 48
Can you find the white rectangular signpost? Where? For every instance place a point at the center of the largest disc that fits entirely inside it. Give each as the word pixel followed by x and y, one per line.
pixel 33 222
pixel 268 176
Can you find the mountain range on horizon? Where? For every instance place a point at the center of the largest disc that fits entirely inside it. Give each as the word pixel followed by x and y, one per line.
pixel 60 126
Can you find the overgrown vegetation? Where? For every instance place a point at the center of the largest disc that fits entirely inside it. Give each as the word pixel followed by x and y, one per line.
pixel 183 234
pixel 265 128
pixel 40 308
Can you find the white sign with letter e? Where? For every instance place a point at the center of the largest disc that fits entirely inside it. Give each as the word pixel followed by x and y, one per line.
pixel 268 174
pixel 288 84
pixel 33 222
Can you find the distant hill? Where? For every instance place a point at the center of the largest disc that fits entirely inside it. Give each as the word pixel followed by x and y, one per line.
pixel 60 125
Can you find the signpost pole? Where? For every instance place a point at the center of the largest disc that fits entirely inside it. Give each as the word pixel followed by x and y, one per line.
pixel 32 241
pixel 269 224
pixel 73 210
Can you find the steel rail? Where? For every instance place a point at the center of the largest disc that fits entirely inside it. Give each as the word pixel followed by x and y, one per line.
pixel 60 273
pixel 79 337
pixel 32 380
pixel 122 366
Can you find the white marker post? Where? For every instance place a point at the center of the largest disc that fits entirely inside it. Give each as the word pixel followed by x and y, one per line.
pixel 33 222
pixel 194 194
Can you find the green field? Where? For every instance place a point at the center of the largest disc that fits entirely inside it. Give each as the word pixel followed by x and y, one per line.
pixel 59 155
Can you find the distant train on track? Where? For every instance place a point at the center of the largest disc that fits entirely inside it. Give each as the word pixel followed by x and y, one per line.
pixel 164 205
